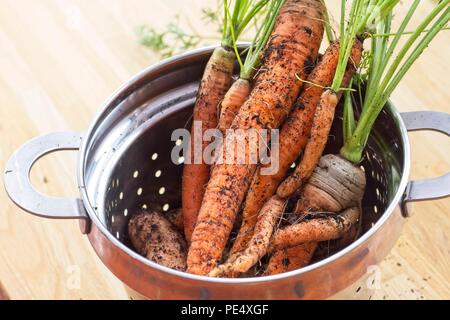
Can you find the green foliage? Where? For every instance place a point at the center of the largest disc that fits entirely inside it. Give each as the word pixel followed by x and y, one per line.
pixel 348 115
pixel 386 70
pixel 263 33
pixel 171 40
pixel 180 35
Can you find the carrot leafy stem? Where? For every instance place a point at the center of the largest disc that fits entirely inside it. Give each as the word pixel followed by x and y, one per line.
pixel 236 21
pixel 387 70
pixel 348 115
pixel 253 57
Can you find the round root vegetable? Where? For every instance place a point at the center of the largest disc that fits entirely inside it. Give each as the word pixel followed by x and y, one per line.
pixel 294 135
pixel 154 237
pixel 291 258
pixel 267 220
pixel 293 45
pixel 326 227
pixel 340 179
pixel 315 200
pixel 214 84
pixel 232 102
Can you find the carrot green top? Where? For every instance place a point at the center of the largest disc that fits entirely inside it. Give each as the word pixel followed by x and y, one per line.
pixel 235 21
pixel 252 60
pixel 384 71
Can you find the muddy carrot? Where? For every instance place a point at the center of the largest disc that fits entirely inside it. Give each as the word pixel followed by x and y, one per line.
pixel 291 258
pixel 293 45
pixel 240 89
pixel 267 220
pixel 323 119
pixel 215 83
pixel 294 135
pixel 329 226
pixel 232 102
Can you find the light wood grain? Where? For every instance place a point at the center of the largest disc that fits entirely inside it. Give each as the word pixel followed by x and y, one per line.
pixel 3 294
pixel 60 59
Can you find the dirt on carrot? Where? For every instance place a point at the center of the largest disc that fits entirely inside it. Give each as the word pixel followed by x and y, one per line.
pixel 293 45
pixel 232 102
pixel 214 84
pixel 290 259
pixel 267 220
pixel 294 135
pixel 321 227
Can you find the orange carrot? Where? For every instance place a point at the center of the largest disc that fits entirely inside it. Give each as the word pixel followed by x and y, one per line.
pixel 234 99
pixel 323 119
pixel 240 89
pixel 312 200
pixel 291 258
pixel 294 135
pixel 215 83
pixel 293 44
pixel 267 219
pixel 321 227
pixel 335 185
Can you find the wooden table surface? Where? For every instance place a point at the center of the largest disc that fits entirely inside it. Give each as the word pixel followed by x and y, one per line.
pixel 60 59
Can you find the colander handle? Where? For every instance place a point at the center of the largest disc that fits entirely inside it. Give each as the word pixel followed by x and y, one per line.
pixel 20 189
pixel 434 188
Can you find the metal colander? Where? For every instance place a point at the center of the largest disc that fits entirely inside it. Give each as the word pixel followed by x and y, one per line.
pixel 125 165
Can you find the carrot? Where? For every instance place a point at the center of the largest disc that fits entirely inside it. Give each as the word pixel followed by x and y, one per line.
pixel 214 84
pixel 339 177
pixel 267 219
pixel 232 102
pixel 293 44
pixel 315 200
pixel 329 226
pixel 335 185
pixel 321 227
pixel 294 135
pixel 240 89
pixel 291 258
pixel 323 119
pixel 318 226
